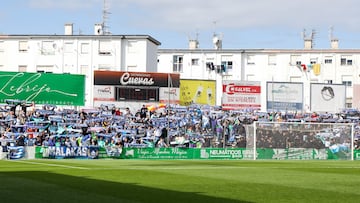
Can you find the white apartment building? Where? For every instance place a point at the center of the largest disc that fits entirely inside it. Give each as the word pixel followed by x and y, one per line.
pixel 84 54
pixel 337 66
pixel 78 54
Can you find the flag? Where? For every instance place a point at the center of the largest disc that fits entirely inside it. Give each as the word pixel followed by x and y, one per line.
pixel 316 69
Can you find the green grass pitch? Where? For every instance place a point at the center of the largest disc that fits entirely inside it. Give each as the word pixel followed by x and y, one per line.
pixel 185 181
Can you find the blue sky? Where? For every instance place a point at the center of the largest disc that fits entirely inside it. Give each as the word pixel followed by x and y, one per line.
pixel 242 24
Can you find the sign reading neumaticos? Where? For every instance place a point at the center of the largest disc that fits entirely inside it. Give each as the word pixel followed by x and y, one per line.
pixel 136 86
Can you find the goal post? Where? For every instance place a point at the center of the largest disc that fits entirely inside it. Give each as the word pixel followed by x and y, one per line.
pixel 301 141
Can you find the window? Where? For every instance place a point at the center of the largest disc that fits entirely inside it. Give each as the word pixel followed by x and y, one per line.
pixel 328 81
pixel 104 67
pixel 68 47
pixel 132 68
pixel 84 70
pixel 194 62
pixel 313 61
pixel 22 68
pixel 347 80
pixel 294 59
pixel 328 61
pixel 177 63
pixel 44 68
pixel 48 48
pixel 346 60
pixel 85 48
pixel 226 66
pixel 250 77
pixel 226 63
pixel 23 46
pixel 347 83
pixel 104 47
pixel 250 59
pixel 136 94
pixel 272 59
pixel 295 79
pixel 133 47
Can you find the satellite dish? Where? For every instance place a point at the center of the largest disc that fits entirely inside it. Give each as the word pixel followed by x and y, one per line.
pixel 215 39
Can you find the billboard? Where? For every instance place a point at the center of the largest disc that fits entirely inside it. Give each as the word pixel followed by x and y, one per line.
pixel 197 92
pixel 136 79
pixel 327 97
pixel 284 96
pixel 43 88
pixel 136 86
pixel 241 94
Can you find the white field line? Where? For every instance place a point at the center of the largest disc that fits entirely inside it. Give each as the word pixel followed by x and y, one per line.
pixel 48 164
pixel 161 168
pixel 211 168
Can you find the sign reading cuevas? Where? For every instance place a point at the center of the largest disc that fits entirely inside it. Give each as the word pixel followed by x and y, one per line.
pixel 43 88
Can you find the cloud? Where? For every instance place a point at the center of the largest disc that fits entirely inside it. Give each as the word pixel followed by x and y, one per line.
pixel 233 14
pixel 64 4
pixel 241 13
pixel 243 22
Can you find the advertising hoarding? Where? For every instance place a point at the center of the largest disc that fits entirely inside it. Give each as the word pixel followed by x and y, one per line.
pixel 284 96
pixel 148 79
pixel 169 95
pixel 241 94
pixel 43 88
pixel 197 92
pixel 104 93
pixel 327 97
pixel 136 86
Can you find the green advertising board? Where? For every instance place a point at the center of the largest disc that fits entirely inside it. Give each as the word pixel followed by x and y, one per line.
pixel 43 88
pixel 191 153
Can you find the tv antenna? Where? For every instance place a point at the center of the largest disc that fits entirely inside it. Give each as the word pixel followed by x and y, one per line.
pixel 217 38
pixel 105 18
pixel 309 37
pixel 331 34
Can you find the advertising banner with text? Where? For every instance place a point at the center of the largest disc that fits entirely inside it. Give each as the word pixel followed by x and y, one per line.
pixel 95 152
pixel 140 79
pixel 241 95
pixel 136 86
pixel 284 96
pixel 43 88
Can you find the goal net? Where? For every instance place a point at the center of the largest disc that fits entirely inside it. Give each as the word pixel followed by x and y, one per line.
pixel 285 140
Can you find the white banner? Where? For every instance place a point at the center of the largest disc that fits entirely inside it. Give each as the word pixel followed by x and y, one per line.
pixel 171 93
pixel 284 96
pixel 104 93
pixel 241 94
pixel 327 97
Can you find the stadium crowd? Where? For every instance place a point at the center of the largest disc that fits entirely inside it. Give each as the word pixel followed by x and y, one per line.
pixel 167 126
